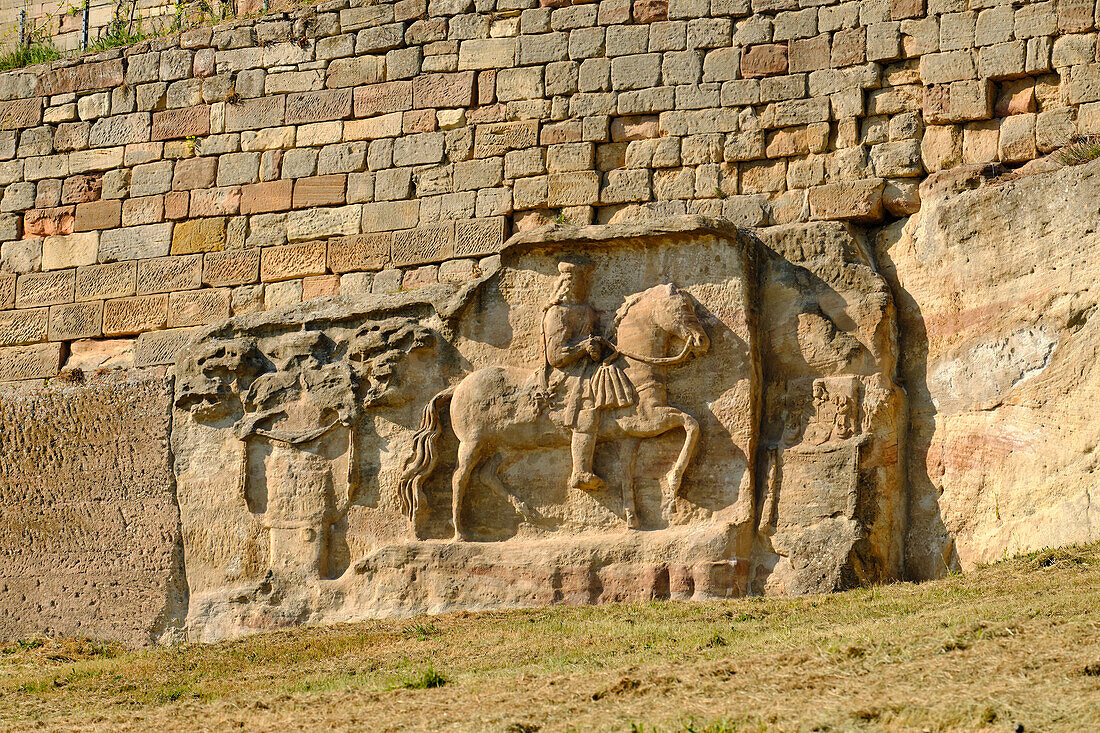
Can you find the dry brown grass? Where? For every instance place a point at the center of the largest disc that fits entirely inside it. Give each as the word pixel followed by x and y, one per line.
pixel 1014 644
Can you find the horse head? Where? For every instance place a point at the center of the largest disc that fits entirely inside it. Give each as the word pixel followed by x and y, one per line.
pixel 672 311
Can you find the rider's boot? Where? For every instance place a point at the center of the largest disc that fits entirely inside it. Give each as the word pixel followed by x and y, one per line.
pixel 583 449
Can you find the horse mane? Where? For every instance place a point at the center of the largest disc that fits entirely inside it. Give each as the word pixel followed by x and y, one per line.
pixel 632 300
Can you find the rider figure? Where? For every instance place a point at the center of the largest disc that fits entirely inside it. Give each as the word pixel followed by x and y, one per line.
pixel 573 350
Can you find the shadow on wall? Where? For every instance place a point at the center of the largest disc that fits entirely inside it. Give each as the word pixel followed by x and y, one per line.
pixel 930 550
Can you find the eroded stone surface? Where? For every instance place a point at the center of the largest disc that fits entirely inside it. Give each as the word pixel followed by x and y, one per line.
pixel 996 312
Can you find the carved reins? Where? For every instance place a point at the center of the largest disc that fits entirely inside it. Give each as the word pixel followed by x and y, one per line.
pixel 651 360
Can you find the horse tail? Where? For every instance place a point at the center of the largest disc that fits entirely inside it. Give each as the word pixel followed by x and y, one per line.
pixel 422 462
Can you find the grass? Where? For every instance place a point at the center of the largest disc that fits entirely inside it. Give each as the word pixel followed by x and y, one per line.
pixel 1012 644
pixel 1082 149
pixel 38 52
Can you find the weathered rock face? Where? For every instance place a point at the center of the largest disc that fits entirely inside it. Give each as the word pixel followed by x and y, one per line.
pixel 89 530
pixel 996 287
pixel 594 434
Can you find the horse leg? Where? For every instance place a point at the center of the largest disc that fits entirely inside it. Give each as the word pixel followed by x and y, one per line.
pixel 490 476
pixel 628 452
pixel 691 443
pixel 468 457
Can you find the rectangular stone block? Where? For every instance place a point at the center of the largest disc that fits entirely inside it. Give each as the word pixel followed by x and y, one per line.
pixel 135 243
pixel 371 100
pixel 19 327
pixel 231 267
pixel 106 214
pixel 266 197
pixel 7 289
pixel 128 316
pixel 20 113
pixel 101 282
pixel 309 224
pixel 222 201
pixel 180 123
pixel 497 138
pixel 389 216
pixel 444 90
pixel 76 321
pixel 373 128
pixel 852 200
pixel 319 191
pixel 581 188
pixel 423 245
pixel 959 102
pixel 99 159
pixel 765 59
pixel 290 261
pixel 359 252
pixel 120 130
pixel 194 173
pixel 253 114
pixel 487 53
pixel 36 289
pixel 478 237
pixel 30 362
pixel 70 250
pixel 82 77
pixel 165 274
pixel 309 107
pixel 162 347
pixel 198 235
pixel 352 72
pixel 198 308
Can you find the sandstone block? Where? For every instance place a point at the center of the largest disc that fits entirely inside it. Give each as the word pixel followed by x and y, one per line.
pixel 100 159
pixel 478 237
pixel 161 347
pixel 47 222
pixel 20 327
pixel 253 114
pixel 637 71
pixel 165 274
pixel 1002 61
pixel 1083 84
pixel 359 252
pixel 319 191
pixel 901 159
pixel 180 123
pixel 198 235
pixel 194 173
pixel 81 78
pixel 390 216
pixel 20 113
pixel 71 250
pixel 371 100
pixel 231 267
pixel 30 362
pixel 198 307
pixel 958 102
pixel 19 256
pixel 223 201
pixel 941 147
pixel 36 289
pixel 271 138
pixel 488 53
pixel 309 107
pixel 293 261
pixel 98 215
pixel 423 245
pixel 143 210
pixel 319 286
pixel 444 90
pixel 1017 138
pixel 497 138
pixel 266 197
pixel 120 130
pixel 318 223
pixel 766 59
pixel 127 316
pixel 855 200
pixel 80 189
pixel 76 321
pixel 579 188
pixel 99 282
pixel 353 72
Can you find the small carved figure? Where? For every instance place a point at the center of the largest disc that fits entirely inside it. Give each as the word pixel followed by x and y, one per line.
pixel 834 414
pixel 496 408
pixel 293 412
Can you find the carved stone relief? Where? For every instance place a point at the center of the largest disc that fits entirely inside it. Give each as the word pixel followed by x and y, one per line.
pixel 584 422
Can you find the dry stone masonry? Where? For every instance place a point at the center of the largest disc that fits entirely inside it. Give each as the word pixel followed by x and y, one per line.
pixel 334 235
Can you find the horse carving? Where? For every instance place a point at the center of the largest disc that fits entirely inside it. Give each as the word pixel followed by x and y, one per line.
pixel 621 385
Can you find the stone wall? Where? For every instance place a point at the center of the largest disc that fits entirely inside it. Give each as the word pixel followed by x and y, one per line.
pixel 183 180
pixel 352 149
